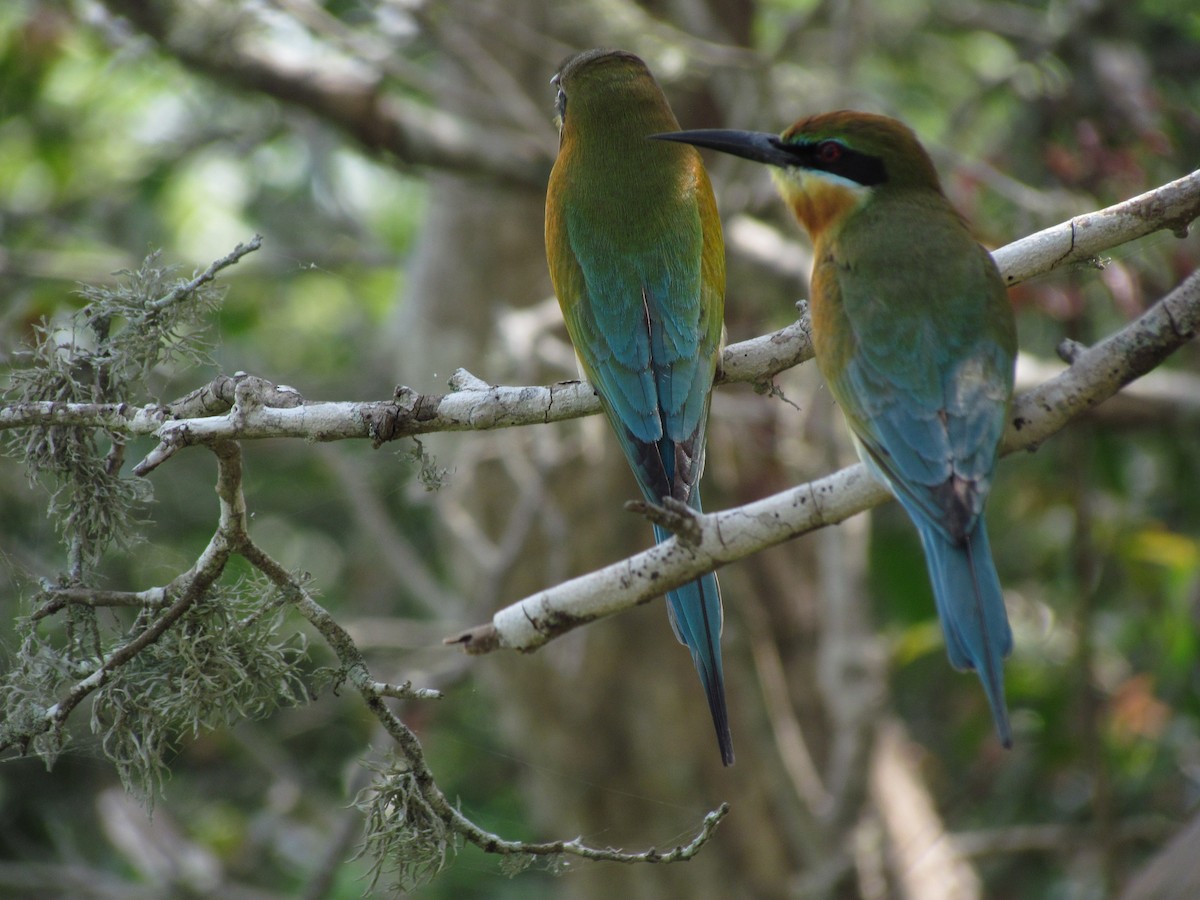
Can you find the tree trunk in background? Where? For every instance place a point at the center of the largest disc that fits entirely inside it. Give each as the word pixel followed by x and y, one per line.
pixel 610 725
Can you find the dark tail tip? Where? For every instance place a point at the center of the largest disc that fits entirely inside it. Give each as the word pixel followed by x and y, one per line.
pixel 721 724
pixel 714 687
pixel 726 742
pixel 994 644
pixel 993 688
pixel 713 681
pixel 1004 730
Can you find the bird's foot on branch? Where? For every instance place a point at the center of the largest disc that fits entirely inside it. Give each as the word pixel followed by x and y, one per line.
pixel 674 515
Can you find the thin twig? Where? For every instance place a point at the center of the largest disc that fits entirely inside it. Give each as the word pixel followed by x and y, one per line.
pixel 181 291
pixel 373 693
pixel 59 598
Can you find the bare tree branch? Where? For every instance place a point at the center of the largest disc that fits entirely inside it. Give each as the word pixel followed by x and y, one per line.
pixel 794 752
pixel 255 408
pixel 1157 397
pixel 1172 873
pixel 718 538
pixel 1173 206
pixel 213 413
pixel 271 411
pixel 1053 837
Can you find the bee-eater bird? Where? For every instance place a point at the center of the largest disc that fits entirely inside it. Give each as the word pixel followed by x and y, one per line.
pixel 638 263
pixel 915 337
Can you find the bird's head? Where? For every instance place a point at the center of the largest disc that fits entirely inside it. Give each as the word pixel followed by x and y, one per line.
pixel 828 165
pixel 609 91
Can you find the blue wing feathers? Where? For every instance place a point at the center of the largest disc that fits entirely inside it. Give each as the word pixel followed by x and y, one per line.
pixel 924 379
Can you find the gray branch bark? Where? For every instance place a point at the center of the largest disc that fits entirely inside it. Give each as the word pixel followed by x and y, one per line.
pixel 718 538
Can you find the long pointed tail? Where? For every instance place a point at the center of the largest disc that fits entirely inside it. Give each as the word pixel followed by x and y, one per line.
pixel 971 606
pixel 696 617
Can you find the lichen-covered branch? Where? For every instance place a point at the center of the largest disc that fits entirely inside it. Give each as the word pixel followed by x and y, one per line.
pixel 186 289
pixel 59 598
pixel 242 406
pixel 187 589
pixel 430 827
pixel 434 819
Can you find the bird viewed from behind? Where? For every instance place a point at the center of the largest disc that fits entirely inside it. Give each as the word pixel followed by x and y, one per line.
pixel 637 259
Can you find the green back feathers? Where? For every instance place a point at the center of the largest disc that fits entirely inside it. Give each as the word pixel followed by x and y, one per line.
pixel 636 256
pixel 635 251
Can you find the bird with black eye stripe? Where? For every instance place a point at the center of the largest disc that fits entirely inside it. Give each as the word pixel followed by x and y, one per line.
pixel 915 337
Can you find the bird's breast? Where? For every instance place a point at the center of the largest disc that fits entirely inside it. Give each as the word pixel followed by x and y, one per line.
pixel 833 339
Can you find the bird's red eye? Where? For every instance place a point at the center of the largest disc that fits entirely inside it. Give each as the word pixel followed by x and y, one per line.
pixel 829 151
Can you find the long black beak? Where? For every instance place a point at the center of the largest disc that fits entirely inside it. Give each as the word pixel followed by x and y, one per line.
pixel 755 145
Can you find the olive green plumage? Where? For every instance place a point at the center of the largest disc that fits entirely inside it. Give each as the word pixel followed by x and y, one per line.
pixel 915 337
pixel 634 244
